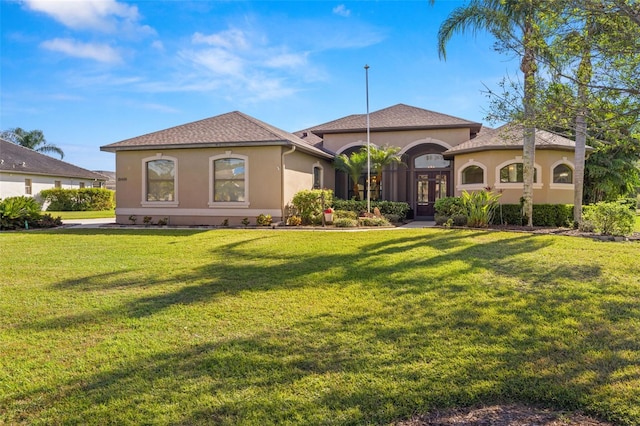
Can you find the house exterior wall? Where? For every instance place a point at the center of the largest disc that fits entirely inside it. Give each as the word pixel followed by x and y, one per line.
pixel 193 203
pixel 544 192
pixel 13 184
pixel 298 174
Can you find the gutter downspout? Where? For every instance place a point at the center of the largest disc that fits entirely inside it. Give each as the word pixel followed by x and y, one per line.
pixel 282 206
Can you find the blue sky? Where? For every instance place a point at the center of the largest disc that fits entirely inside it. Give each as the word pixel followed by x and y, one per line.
pixel 89 73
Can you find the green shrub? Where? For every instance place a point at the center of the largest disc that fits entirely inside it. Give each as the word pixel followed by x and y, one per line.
pixel 610 218
pixel 374 221
pixel 386 207
pixel 264 220
pixel 479 206
pixel 24 212
pixel 309 204
pixel 345 222
pixel 294 221
pixel 552 214
pixel 345 214
pixel 83 199
pixel 449 206
pixel 393 218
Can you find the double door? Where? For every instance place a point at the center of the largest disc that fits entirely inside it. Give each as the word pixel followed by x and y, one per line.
pixel 430 186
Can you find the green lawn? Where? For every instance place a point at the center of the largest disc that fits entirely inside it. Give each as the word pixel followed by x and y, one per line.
pixel 309 327
pixel 83 215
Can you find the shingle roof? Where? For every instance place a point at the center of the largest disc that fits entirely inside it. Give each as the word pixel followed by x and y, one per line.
pixel 511 136
pixel 397 117
pixel 18 159
pixel 230 129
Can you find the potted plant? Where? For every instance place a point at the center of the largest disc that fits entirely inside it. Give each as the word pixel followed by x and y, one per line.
pixel 328 215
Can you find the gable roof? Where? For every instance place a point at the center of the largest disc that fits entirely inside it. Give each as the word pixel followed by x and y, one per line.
pixel 511 136
pixel 18 159
pixel 230 129
pixel 397 117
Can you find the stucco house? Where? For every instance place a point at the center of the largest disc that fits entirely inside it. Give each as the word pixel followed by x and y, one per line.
pixel 234 166
pixel 24 171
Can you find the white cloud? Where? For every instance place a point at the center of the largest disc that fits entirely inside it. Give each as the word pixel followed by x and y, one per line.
pixel 341 10
pixel 229 39
pixel 100 15
pixel 217 60
pixel 98 52
pixel 157 45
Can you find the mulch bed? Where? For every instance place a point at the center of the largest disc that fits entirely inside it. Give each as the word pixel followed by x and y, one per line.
pixel 503 415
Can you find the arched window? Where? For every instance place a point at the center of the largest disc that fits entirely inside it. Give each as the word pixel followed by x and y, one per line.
pixel 431 161
pixel 513 173
pixel 229 179
pixel 472 175
pixel 159 180
pixel 562 173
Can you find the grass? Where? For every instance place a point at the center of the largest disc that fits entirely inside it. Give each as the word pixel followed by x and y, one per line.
pixel 84 214
pixel 306 327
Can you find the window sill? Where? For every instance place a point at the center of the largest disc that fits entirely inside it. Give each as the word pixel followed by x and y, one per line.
pixel 159 204
pixel 229 205
pixel 471 187
pixel 568 186
pixel 516 185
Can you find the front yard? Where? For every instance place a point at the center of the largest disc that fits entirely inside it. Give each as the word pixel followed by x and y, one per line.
pixel 149 326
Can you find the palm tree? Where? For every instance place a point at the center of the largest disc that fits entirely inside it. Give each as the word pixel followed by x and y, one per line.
pixel 381 158
pixel 353 166
pixel 514 23
pixel 33 139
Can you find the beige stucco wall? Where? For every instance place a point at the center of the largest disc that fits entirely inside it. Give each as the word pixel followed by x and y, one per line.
pixel 299 174
pixel 192 205
pixel 404 139
pixel 545 192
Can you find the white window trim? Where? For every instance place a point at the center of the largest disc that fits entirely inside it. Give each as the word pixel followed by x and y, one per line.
pixel 313 168
pixel 517 185
pixel 568 186
pixel 144 202
pixel 225 204
pixel 472 186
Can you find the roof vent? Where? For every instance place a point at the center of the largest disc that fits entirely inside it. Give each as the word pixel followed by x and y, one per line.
pixel 305 134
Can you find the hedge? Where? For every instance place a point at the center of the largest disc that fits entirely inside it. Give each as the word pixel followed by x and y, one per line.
pixel 543 215
pixel 399 209
pixel 83 199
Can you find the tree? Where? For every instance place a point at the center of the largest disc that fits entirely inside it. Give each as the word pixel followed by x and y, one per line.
pixel 517 25
pixel 33 139
pixel 353 166
pixel 381 158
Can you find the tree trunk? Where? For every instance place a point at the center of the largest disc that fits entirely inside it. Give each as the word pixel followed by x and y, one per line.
pixel 528 67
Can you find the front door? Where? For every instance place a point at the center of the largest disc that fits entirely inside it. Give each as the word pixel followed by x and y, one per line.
pixel 430 187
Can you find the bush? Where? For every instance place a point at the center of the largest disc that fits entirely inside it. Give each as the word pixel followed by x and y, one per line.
pixel 449 207
pixel 263 220
pixel 479 206
pixel 294 221
pixel 610 218
pixel 345 214
pixel 345 222
pixel 393 218
pixel 24 212
pixel 309 206
pixel 543 215
pixel 400 209
pixel 83 199
pixel 374 221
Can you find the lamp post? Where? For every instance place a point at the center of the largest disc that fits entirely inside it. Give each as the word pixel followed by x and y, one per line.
pixel 366 71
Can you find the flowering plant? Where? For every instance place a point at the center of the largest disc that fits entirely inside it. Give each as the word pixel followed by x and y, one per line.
pixel 329 210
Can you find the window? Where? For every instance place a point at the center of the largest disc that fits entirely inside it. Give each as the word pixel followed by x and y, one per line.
pixel 229 180
pixel 160 180
pixel 57 184
pixel 27 186
pixel 562 173
pixel 513 173
pixel 317 177
pixel 472 175
pixel 430 161
pixel 81 185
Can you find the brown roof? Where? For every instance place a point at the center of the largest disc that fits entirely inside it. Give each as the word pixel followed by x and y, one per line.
pixel 230 129
pixel 397 117
pixel 18 159
pixel 511 136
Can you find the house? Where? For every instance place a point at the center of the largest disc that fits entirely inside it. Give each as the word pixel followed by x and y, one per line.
pixel 24 171
pixel 234 166
pixel 221 169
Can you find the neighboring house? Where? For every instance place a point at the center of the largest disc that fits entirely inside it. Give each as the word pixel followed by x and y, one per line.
pixel 111 179
pixel 234 166
pixel 224 168
pixel 24 171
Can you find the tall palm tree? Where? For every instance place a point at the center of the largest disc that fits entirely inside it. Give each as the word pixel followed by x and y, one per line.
pixel 514 23
pixel 381 158
pixel 353 166
pixel 33 139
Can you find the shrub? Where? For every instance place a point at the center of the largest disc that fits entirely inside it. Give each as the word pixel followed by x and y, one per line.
pixel 24 212
pixel 294 221
pixel 393 218
pixel 83 199
pixel 449 206
pixel 264 220
pixel 374 221
pixel 552 214
pixel 400 209
pixel 345 214
pixel 309 204
pixel 345 222
pixel 610 218
pixel 479 206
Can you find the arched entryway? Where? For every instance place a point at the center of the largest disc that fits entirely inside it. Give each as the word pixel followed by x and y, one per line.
pixel 428 178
